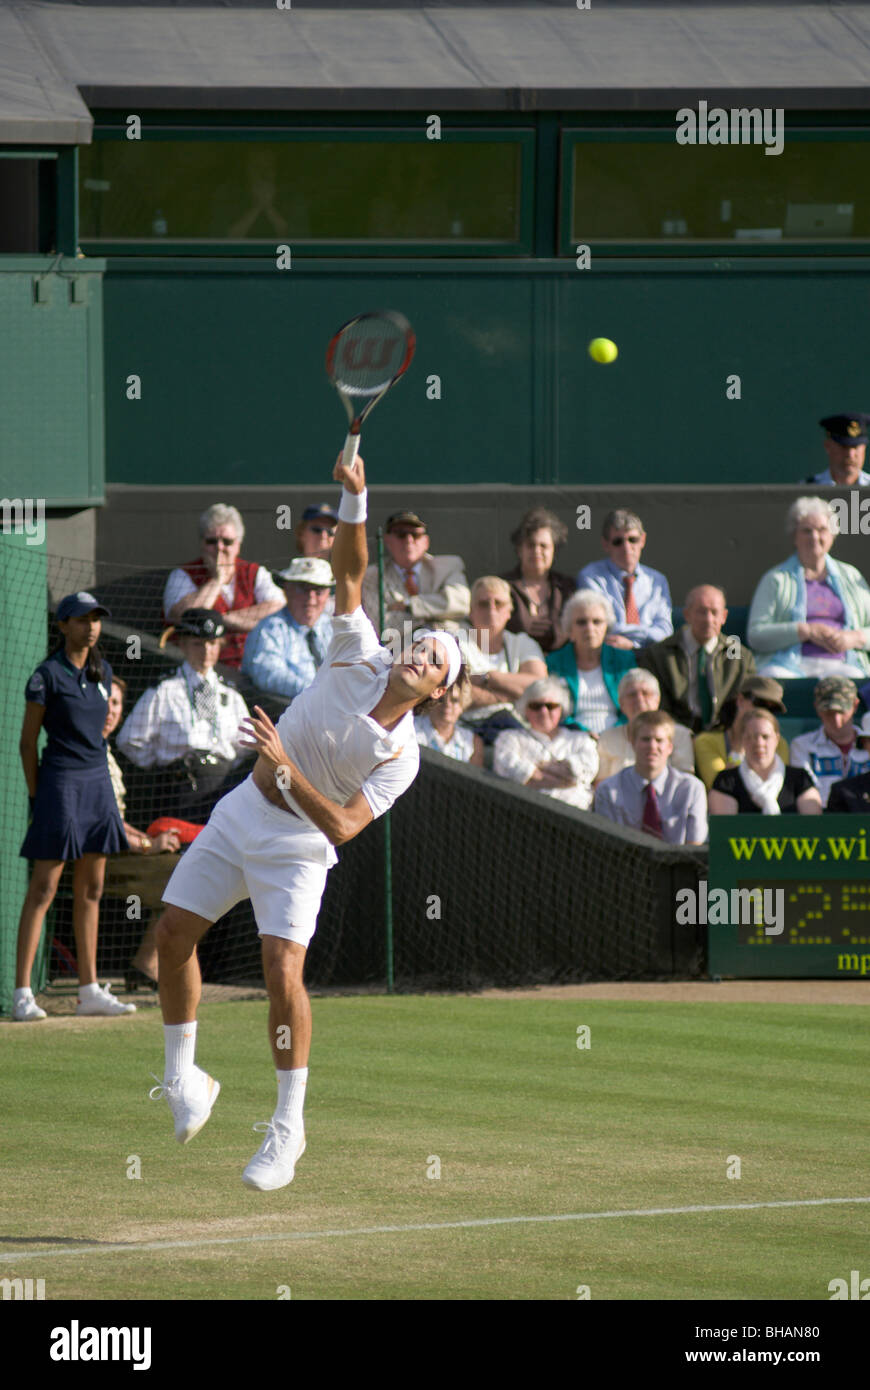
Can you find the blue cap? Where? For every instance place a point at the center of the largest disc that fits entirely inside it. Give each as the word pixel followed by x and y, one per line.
pixel 74 605
pixel 318 510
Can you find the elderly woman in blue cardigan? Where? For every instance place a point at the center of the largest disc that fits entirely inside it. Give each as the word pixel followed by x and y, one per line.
pixel 810 616
pixel 590 666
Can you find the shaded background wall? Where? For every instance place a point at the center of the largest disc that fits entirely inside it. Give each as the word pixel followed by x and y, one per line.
pixel 234 389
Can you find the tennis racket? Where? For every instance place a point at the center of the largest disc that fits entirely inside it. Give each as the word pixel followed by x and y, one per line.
pixel 364 359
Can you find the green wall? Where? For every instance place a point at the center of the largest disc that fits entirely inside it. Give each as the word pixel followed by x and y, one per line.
pixel 22 648
pixel 234 391
pixel 51 379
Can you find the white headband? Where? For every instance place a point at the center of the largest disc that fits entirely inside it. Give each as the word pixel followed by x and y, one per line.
pixel 450 645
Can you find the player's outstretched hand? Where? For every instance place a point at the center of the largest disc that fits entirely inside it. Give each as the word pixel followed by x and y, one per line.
pixel 259 732
pixel 352 476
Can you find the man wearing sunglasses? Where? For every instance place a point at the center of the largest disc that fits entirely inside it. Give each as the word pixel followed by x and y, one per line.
pixel 640 596
pixel 418 587
pixel 219 579
pixel 315 533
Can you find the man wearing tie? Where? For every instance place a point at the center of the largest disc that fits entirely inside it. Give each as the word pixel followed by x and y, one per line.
pixel 283 652
pixel 640 596
pixel 652 796
pixel 419 588
pixel 699 668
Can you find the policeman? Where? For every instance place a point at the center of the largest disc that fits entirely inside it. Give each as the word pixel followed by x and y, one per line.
pixel 845 444
pixel 75 815
pixel 187 727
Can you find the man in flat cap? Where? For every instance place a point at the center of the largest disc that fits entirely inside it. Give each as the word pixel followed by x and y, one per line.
pixel 283 653
pixel 831 752
pixel 419 588
pixel 845 444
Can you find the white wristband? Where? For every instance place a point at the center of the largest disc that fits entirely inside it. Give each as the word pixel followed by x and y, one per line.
pixel 352 508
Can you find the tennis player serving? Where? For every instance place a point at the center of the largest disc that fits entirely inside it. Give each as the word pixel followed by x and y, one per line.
pixel 340 755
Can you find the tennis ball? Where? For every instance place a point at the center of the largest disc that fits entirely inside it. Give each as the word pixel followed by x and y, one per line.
pixel 603 350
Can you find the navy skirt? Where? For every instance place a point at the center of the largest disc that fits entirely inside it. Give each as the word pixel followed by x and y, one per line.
pixel 75 813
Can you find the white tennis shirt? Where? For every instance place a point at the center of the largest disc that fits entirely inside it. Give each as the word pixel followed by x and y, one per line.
pixel 327 731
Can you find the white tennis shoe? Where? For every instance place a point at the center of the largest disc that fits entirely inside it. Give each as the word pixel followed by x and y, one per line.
pixel 104 1003
pixel 274 1163
pixel 190 1099
pixel 27 1010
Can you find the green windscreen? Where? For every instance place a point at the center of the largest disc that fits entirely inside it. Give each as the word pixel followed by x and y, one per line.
pixel 23 598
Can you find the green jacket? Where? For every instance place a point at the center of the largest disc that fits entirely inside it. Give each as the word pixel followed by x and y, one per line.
pixel 669 663
pixel 614 663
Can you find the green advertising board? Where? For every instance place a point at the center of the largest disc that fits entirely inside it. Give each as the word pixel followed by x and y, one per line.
pixel 787 896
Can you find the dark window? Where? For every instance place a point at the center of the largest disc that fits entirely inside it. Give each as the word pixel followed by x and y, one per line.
pixel 652 191
pixel 322 189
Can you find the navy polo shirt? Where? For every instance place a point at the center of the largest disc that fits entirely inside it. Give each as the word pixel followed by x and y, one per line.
pixel 75 712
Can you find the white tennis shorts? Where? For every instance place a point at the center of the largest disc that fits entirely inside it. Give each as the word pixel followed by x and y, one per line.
pixel 252 849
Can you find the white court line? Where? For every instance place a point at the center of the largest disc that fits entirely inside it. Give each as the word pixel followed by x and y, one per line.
pixel 132 1247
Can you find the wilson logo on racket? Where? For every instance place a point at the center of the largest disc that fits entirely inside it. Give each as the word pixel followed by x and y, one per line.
pixel 356 355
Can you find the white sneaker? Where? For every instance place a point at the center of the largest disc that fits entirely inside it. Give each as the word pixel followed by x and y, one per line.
pixel 27 1010
pixel 104 1003
pixel 190 1098
pixel 274 1163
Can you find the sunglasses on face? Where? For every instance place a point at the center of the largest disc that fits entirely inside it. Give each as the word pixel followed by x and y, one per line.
pixel 543 704
pixel 220 540
pixel 322 530
pixel 625 540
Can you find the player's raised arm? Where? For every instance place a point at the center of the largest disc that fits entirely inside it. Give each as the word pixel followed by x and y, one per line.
pixel 349 557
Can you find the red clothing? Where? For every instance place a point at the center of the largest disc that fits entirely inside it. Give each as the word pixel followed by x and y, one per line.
pixel 246 577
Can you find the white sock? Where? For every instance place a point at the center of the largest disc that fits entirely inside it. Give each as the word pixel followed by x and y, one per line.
pixel 85 991
pixel 291 1097
pixel 25 992
pixel 180 1040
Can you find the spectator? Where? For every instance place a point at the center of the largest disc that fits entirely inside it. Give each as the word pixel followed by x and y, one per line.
pixel 762 783
pixel 284 652
pixel 810 615
pixel 243 592
pixel 187 728
pixel 418 587
pixel 723 747
pixel 699 668
pixel 639 690
pixel 653 796
pixel 539 592
pixel 315 536
pixel 591 668
pixel 142 970
pixel 137 841
pixel 640 596
pixel 500 664
pixel 74 815
pixel 548 757
pixel 852 795
pixel 831 751
pixel 845 444
pixel 440 728
pixel 315 533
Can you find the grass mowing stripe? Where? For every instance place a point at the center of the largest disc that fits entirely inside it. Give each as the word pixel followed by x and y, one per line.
pixel 424 1226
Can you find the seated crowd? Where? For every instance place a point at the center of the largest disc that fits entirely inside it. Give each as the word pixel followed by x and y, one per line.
pixel 583 690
